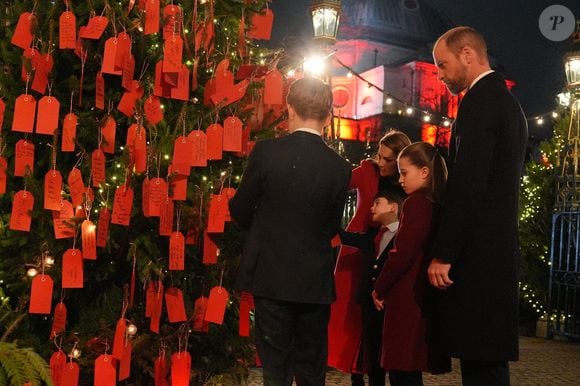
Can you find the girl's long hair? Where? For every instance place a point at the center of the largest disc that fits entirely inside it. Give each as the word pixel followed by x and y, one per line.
pixel 423 154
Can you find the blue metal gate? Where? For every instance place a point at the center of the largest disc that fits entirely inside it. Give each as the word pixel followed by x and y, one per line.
pixel 565 275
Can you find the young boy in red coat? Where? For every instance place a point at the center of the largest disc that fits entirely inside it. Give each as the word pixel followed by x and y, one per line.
pixel 375 246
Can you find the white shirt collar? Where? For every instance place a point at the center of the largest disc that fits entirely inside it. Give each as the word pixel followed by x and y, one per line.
pixel 309 130
pixel 479 78
pixel 393 226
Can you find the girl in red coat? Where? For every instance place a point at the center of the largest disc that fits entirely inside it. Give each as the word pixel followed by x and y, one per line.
pixel 402 284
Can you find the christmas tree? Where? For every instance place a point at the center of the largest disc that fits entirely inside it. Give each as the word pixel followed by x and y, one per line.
pixel 124 127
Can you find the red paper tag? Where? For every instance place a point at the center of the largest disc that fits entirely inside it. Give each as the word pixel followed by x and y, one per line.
pixel 232 134
pixel 209 90
pixel 123 51
pixel 89 240
pixel 125 363
pixel 198 141
pixel 160 371
pixel 153 111
pixel 69 132
pixel 173 54
pixel 48 109
pixel 223 77
pixel 98 167
pixel 57 363
pixel 137 144
pixel 2 110
pixel 122 205
pixel 24 113
pixel 23 33
pixel 72 269
pixel 273 87
pixel 58 320
pixel 100 91
pixel 108 131
pixel 177 185
pixel 70 374
pixel 21 216
pixel 109 56
pixel 180 368
pixel 246 305
pixel 146 197
pixel 41 295
pixel 210 250
pixel 175 305
pixel 24 158
pixel 177 251
pixel 172 21
pixel 261 25
pixel 128 72
pixel 181 156
pixel 103 227
pixel 3 177
pixel 217 214
pixel 119 338
pixel 216 305
pixel 199 323
pixel 226 96
pixel 157 196
pixel 76 187
pixel 63 226
pixel 67 32
pixel 95 28
pixel 166 218
pixel 214 141
pixel 152 12
pixel 154 295
pixel 105 371
pixel 52 190
pixel 181 90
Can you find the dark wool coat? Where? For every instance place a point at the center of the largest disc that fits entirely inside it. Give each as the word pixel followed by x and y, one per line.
pixel 478 231
pixel 291 200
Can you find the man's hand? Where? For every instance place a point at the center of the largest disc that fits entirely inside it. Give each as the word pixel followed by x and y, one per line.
pixel 438 273
pixel 379 303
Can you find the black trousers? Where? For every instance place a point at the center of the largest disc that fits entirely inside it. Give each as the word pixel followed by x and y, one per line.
pixel 372 320
pixel 484 373
pixel 292 341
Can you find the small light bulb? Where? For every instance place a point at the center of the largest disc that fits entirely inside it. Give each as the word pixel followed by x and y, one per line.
pixel 409 111
pixel 49 260
pixel 32 272
pixel 389 101
pixel 131 329
pixel 76 353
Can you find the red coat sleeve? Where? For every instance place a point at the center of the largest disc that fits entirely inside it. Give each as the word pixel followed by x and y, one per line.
pixel 410 242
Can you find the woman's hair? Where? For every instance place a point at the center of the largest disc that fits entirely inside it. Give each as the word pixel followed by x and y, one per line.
pixel 311 98
pixel 423 154
pixel 395 140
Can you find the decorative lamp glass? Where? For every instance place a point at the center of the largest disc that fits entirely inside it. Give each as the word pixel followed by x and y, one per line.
pixel 325 19
pixel 572 61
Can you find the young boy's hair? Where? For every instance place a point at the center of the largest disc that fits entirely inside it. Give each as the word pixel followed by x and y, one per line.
pixel 392 195
pixel 311 98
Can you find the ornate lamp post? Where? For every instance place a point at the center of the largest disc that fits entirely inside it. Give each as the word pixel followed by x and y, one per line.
pixel 325 19
pixel 564 278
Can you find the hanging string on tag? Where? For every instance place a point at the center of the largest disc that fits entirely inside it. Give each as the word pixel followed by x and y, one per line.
pixel 178 218
pixel 84 55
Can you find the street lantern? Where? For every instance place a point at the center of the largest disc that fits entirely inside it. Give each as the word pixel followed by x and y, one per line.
pixel 325 19
pixel 572 61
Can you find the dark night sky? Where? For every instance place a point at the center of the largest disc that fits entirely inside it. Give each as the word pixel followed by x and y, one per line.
pixel 510 28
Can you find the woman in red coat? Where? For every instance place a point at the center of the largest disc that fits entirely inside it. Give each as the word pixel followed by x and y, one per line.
pixel 345 328
pixel 402 284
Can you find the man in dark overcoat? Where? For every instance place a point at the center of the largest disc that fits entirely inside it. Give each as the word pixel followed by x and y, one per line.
pixel 291 199
pixel 476 247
